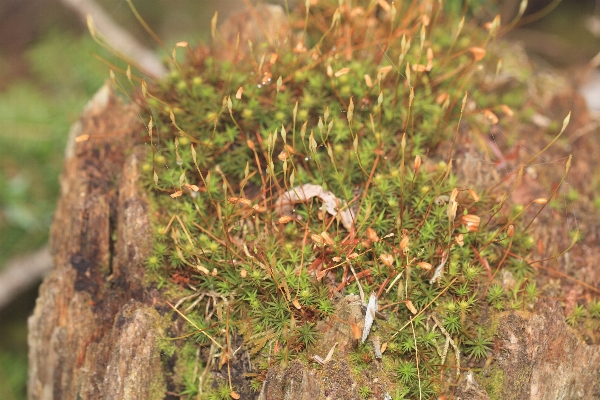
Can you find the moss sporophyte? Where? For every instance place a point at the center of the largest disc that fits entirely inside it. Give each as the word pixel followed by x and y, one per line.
pixel 320 164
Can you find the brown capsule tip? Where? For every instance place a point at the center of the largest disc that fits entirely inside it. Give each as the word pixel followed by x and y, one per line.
pixel 417 163
pixel 473 195
pixel 285 219
pixel 510 231
pixel 387 259
pixel 372 235
pixel 424 265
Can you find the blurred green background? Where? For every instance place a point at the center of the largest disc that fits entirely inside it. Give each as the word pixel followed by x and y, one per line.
pixel 49 73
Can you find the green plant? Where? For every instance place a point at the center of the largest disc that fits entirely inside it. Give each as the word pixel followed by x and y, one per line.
pixel 222 392
pixel 594 309
pixel 576 315
pixel 452 324
pixel 479 346
pixel 495 293
pixel 531 292
pixel 279 182
pixel 364 392
pixel 306 334
pixel 407 372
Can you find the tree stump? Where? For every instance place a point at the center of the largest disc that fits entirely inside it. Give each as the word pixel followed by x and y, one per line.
pixel 95 330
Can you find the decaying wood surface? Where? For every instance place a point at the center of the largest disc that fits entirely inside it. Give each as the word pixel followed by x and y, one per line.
pixel 92 333
pixel 95 329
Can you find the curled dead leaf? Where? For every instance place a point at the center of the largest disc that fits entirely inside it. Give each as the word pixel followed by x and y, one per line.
pixel 333 205
pixel 177 194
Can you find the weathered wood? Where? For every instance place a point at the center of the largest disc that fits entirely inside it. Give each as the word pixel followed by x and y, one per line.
pixel 93 331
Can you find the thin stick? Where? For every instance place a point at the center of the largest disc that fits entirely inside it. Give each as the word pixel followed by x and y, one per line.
pixel 195 326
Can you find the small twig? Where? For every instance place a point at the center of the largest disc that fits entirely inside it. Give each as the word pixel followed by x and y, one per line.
pixel 450 341
pixel 327 358
pixel 118 37
pixel 196 326
pixel 417 358
pixel 22 273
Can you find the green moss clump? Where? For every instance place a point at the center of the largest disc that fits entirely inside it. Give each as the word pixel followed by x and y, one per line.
pixel 353 106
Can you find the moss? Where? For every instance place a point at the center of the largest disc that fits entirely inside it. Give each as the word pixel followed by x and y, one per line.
pixel 493 382
pixel 359 126
pixel 188 368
